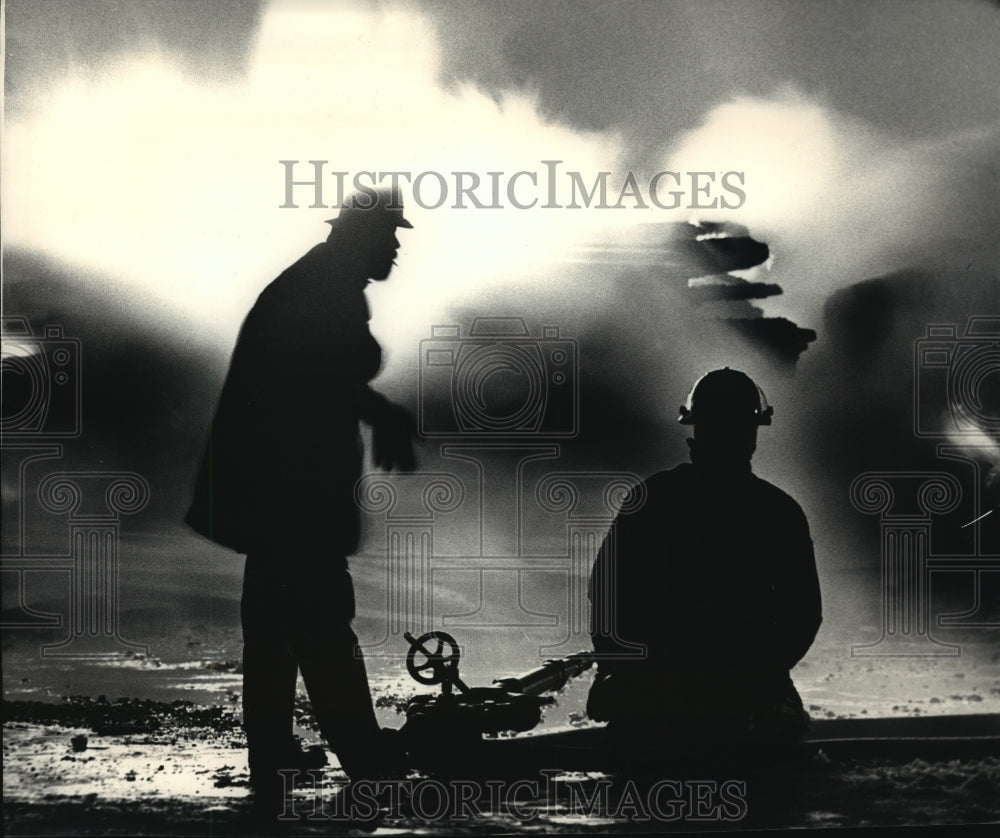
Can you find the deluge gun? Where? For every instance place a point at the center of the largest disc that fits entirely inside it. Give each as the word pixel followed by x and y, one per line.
pixel 460 715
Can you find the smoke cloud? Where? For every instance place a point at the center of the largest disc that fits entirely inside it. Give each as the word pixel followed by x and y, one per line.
pixel 839 201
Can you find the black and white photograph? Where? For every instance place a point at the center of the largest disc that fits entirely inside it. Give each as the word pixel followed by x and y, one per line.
pixel 424 417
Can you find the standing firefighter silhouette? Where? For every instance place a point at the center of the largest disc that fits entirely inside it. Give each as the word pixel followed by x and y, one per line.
pixel 277 483
pixel 706 595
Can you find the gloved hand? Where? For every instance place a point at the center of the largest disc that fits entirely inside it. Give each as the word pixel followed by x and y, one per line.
pixel 393 432
pixel 602 698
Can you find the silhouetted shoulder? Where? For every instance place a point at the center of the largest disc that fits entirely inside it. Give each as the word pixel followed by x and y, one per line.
pixel 778 499
pixel 671 479
pixel 300 285
pixel 677 484
pixel 679 475
pixel 658 487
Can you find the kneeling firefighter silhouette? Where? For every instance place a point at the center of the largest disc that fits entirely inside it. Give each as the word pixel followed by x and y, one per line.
pixel 705 595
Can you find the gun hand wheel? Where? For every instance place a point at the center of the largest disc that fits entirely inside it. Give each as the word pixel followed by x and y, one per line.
pixel 437 665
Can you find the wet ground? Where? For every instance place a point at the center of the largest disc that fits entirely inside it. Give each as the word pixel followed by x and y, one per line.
pixel 139 767
pixel 151 743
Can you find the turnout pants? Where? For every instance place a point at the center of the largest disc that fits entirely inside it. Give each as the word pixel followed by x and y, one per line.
pixel 296 619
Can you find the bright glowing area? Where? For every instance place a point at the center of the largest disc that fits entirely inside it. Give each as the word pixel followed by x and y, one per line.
pixel 836 200
pixel 787 151
pixel 980 445
pixel 169 187
pixel 172 186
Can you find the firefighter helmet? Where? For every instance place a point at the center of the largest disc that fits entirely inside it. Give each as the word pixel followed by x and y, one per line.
pixel 726 397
